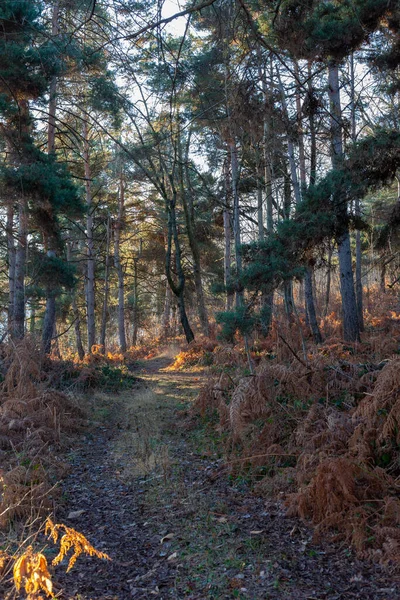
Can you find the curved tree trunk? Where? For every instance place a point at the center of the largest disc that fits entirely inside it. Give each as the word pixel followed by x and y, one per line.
pixel 179 288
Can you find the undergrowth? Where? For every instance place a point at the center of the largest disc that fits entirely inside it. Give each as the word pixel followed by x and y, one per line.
pixel 317 426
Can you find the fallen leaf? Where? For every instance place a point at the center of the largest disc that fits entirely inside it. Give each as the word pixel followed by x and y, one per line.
pixel 222 520
pixel 257 532
pixel 167 537
pixel 174 555
pixel 75 514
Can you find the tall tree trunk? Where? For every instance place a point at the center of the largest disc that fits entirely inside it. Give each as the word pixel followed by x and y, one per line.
pixel 351 331
pixel 227 242
pixel 178 289
pixel 118 266
pixel 135 319
pixel 312 317
pixel 20 262
pixel 106 292
pixel 76 314
pixel 236 219
pixel 188 209
pixel 359 285
pixel 328 280
pixel 311 313
pixel 49 320
pixel 90 263
pixel 166 317
pixel 11 266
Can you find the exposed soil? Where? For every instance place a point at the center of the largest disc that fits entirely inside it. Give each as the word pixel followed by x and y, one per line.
pixel 155 497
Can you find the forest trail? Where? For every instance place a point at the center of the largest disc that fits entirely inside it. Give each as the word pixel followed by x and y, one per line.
pixel 151 492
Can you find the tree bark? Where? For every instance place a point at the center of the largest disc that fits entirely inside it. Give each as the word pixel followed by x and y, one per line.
pixel 20 262
pixel 236 220
pixel 227 243
pixel 49 321
pixel 11 266
pixel 135 317
pixel 311 313
pixel 351 331
pixel 179 288
pixel 118 266
pixel 312 317
pixel 75 313
pixel 359 285
pixel 90 263
pixel 166 317
pixel 106 291
pixel 188 209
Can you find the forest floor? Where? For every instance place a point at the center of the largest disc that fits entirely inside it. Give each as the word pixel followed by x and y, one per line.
pixel 151 491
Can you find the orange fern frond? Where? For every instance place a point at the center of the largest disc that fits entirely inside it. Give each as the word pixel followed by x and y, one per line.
pixel 71 539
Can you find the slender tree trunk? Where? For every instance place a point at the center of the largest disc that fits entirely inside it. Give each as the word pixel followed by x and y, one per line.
pixel 260 208
pixel 179 289
pixel 236 220
pixel 49 320
pixel 382 280
pixel 135 319
pixel 227 244
pixel 118 266
pixel 166 318
pixel 188 209
pixel 312 317
pixel 351 330
pixel 20 262
pixel 328 280
pixel 311 313
pixel 359 285
pixel 11 266
pixel 106 291
pixel 90 263
pixel 75 313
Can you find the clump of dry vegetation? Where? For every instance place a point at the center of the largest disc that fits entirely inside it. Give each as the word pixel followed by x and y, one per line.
pixel 319 429
pixel 33 419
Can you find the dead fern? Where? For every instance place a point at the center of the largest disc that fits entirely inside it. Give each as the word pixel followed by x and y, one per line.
pixel 31 572
pixel 71 539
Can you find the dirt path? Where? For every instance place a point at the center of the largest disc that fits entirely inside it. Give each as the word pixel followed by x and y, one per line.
pixel 152 499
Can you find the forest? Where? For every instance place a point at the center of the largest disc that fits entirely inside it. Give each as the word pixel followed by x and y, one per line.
pixel 199 299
